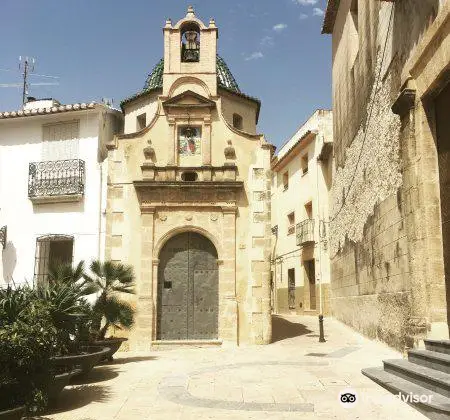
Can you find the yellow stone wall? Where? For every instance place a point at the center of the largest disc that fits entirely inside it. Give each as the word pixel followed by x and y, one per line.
pixel 142 213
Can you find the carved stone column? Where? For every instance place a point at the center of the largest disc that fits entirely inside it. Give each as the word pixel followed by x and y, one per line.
pixel 143 330
pixel 206 139
pixel 228 319
pixel 172 142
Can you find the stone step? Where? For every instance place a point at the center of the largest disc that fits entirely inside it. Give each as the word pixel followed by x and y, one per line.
pixel 430 359
pixel 437 407
pixel 439 346
pixel 425 377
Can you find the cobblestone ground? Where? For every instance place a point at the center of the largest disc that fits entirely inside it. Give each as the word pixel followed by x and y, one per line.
pixel 295 377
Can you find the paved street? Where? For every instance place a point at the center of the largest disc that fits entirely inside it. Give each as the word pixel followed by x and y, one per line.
pixel 295 377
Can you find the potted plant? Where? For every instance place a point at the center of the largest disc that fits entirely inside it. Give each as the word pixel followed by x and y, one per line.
pixel 28 340
pixel 65 294
pixel 111 280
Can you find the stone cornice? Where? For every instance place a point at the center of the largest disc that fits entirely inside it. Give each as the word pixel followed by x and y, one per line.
pixel 221 185
pixel 404 102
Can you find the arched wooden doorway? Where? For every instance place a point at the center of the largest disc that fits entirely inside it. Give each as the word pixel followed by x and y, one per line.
pixel 188 289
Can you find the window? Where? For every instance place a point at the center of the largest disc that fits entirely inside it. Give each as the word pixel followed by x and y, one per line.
pixel 189 176
pixel 60 141
pixel 51 250
pixel 237 121
pixel 305 164
pixel 141 122
pixel 291 223
pixel 190 43
pixel 285 181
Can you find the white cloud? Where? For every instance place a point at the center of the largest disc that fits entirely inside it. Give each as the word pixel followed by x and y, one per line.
pixel 303 16
pixel 279 27
pixel 305 2
pixel 267 41
pixel 318 12
pixel 254 56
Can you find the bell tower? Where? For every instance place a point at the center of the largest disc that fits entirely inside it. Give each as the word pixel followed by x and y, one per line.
pixel 190 49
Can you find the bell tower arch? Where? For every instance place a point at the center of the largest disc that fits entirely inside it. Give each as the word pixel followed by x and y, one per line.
pixel 190 49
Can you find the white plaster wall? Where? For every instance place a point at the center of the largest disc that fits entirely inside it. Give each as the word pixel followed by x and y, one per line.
pixel 302 189
pixel 148 106
pixel 20 144
pixel 320 120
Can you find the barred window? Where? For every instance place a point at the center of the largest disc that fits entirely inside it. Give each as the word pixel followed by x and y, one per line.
pixel 51 250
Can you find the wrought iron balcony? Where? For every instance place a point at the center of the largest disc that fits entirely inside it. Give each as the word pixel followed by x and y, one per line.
pixel 305 232
pixel 56 180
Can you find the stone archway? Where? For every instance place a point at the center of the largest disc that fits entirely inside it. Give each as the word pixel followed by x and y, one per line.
pixel 188 289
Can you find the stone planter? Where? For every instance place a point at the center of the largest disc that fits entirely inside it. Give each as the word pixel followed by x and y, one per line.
pixel 58 384
pixel 83 362
pixel 13 414
pixel 113 344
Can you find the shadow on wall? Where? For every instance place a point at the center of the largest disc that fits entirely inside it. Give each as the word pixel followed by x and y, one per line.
pixel 70 207
pixel 9 261
pixel 283 329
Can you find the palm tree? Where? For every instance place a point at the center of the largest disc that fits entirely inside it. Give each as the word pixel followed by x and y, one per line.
pixel 111 279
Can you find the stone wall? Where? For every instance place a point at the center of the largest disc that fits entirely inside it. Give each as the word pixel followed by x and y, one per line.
pixel 387 265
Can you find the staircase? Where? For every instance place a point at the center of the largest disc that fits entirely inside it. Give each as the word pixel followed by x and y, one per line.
pixel 426 372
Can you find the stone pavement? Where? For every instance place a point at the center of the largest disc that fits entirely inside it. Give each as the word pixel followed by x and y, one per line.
pixel 295 377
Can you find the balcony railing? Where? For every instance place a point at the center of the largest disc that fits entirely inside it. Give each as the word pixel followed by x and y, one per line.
pixel 305 232
pixel 56 180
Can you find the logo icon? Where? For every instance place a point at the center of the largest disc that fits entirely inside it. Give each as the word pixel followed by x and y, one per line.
pixel 348 398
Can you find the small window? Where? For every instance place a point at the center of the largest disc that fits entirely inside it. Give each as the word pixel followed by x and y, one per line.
pixel 189 176
pixel 291 223
pixel 286 181
pixel 237 121
pixel 305 164
pixel 51 250
pixel 141 122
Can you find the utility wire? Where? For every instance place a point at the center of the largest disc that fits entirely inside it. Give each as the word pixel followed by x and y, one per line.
pixel 369 117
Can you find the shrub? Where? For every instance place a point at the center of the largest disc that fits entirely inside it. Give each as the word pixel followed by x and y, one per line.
pixel 111 279
pixel 26 345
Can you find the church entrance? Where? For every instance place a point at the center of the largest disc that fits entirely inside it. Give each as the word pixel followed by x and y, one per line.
pixel 188 289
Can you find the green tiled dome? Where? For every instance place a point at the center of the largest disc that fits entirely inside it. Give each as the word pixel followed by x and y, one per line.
pixel 224 77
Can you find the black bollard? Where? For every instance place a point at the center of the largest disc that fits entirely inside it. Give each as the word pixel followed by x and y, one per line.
pixel 321 334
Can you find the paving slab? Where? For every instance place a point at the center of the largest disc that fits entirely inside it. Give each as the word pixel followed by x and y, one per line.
pixel 295 377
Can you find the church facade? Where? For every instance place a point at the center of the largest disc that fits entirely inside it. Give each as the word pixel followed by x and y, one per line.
pixel 188 202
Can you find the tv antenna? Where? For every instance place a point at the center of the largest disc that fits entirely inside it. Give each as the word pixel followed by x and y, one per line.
pixel 26 67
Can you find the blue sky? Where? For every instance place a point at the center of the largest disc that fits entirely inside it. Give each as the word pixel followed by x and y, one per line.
pixel 106 48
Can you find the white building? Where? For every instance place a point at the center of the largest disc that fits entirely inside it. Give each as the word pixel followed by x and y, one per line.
pixel 52 185
pixel 301 180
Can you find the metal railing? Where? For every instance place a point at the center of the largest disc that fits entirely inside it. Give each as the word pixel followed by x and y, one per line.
pixel 305 232
pixel 56 178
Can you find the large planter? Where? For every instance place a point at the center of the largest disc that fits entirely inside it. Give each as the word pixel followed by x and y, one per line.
pixel 113 344
pixel 13 414
pixel 83 362
pixel 58 383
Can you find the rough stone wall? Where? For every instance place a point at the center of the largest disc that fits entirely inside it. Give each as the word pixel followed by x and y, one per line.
pixel 371 172
pixel 387 279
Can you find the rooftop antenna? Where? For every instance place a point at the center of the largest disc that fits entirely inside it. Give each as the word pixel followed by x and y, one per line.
pixel 26 66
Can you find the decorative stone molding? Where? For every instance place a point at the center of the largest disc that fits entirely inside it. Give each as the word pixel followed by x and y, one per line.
pixel 230 152
pixel 149 151
pixel 404 102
